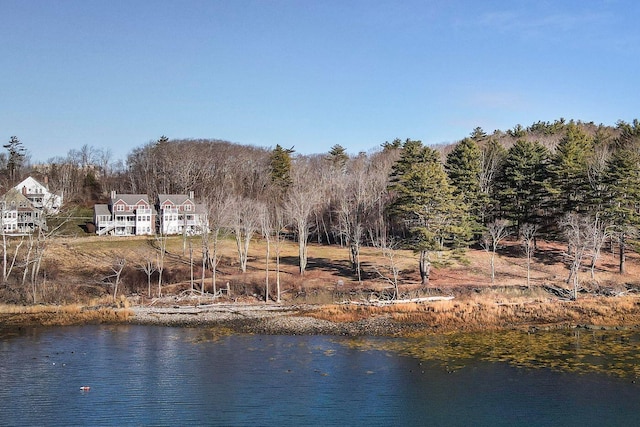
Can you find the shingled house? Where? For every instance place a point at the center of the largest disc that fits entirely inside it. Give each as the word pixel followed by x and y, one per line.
pixel 133 215
pixel 179 213
pixel 25 206
pixel 19 216
pixel 125 215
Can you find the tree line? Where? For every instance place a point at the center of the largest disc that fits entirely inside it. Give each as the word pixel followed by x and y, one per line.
pixel 563 180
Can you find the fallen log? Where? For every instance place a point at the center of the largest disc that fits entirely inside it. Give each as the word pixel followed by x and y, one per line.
pixel 400 301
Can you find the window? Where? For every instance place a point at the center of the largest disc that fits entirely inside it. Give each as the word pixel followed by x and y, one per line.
pixel 120 208
pixel 187 207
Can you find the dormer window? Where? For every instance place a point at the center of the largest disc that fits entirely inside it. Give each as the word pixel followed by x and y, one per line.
pixel 187 207
pixel 120 208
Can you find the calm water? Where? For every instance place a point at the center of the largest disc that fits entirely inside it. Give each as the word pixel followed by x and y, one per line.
pixel 141 375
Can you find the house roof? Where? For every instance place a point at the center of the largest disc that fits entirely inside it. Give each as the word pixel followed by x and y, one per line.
pixel 16 196
pixel 102 210
pixel 131 199
pixel 31 181
pixel 176 199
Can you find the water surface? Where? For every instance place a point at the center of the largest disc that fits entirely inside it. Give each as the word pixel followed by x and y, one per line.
pixel 146 375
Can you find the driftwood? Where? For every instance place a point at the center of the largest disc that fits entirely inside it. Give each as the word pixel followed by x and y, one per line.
pixel 378 302
pixel 559 292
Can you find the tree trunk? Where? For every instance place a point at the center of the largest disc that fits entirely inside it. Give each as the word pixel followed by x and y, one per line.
pixel 4 253
pixel 205 255
pixel 302 253
pixel 594 260
pixel 214 264
pixel 425 267
pixel 191 265
pixel 278 276
pixel 266 279
pixel 622 254
pixel 493 267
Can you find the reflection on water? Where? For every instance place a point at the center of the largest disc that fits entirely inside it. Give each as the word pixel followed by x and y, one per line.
pixel 611 352
pixel 142 375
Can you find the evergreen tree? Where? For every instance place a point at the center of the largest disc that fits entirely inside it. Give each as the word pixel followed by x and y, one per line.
pixel 623 180
pixel 464 168
pixel 338 156
pixel 413 154
pixel 478 134
pixel 393 145
pixel 522 183
pixel 16 157
pixel 426 204
pixel 569 171
pixel 280 167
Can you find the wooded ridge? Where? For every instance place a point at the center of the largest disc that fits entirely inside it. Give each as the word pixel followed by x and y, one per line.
pixel 572 183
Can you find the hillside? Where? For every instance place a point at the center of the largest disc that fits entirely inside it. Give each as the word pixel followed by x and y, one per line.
pixel 81 268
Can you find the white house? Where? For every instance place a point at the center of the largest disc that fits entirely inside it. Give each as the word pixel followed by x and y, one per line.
pixel 125 215
pixel 179 213
pixel 19 215
pixel 132 214
pixel 39 195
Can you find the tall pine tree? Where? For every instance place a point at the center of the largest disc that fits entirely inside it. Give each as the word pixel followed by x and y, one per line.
pixel 464 168
pixel 15 159
pixel 425 203
pixel 280 167
pixel 569 171
pixel 623 181
pixel 522 186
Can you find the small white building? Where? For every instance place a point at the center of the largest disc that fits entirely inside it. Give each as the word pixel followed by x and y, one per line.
pixel 40 196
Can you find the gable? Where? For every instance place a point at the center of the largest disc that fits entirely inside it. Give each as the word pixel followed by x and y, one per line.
pixel 32 185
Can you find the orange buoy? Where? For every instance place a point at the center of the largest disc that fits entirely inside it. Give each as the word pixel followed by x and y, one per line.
pixel 85 388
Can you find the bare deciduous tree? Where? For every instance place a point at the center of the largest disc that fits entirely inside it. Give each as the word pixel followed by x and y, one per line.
pixel 576 230
pixel 148 265
pixel 117 266
pixel 391 270
pixel 267 227
pixel 217 205
pixel 496 232
pixel 357 201
pixel 599 231
pixel 244 221
pixel 528 233
pixel 301 201
pixel 161 246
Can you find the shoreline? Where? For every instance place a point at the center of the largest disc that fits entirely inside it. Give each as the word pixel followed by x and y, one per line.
pixel 257 319
pixel 323 320
pixel 442 317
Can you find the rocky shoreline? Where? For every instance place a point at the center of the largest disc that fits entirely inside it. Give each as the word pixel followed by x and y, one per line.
pixel 440 317
pixel 252 318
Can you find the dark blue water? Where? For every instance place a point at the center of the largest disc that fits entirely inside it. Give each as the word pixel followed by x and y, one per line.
pixel 141 375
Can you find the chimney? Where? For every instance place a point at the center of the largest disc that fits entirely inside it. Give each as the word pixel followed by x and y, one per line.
pixel 113 194
pixel 46 181
pixel 24 190
pixel 191 195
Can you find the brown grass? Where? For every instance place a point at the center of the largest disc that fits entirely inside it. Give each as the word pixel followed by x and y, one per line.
pixel 78 270
pixel 75 314
pixel 485 313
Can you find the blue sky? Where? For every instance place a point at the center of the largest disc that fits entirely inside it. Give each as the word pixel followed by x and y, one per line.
pixel 310 74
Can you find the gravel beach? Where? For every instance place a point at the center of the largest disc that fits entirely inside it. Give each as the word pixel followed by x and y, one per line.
pixel 260 319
